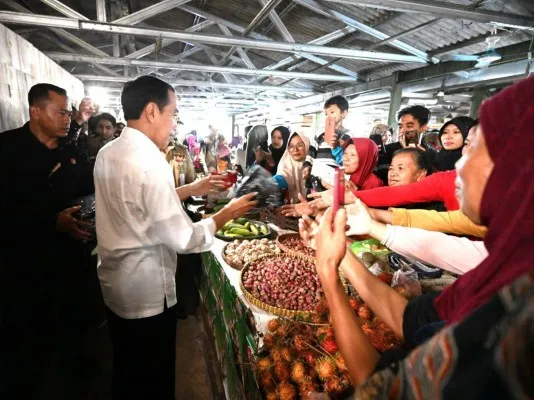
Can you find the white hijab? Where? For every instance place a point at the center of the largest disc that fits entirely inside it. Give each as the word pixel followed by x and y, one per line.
pixel 291 170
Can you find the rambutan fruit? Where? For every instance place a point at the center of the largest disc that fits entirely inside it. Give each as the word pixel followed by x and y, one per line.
pixel 273 325
pixel 317 318
pixel 330 345
pixel 309 356
pixel 324 332
pixel 299 343
pixel 287 354
pixel 268 341
pixel 340 362
pixel 365 312
pixel 325 368
pixel 298 371
pixel 321 306
pixel 264 364
pixel 281 371
pixel 283 330
pixel 276 354
pixel 306 387
pixel 267 381
pixel 379 341
pixel 272 396
pixel 386 278
pixel 333 386
pixel 354 303
pixel 287 391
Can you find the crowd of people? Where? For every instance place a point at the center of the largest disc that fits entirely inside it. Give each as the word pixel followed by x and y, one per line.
pixel 458 199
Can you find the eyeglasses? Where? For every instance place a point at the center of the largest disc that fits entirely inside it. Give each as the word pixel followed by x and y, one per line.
pixel 298 146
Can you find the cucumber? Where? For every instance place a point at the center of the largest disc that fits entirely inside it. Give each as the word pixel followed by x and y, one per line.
pixel 223 201
pixel 247 225
pixel 254 230
pixel 264 229
pixel 220 232
pixel 242 221
pixel 218 207
pixel 228 223
pixel 242 232
pixel 236 226
pixel 232 235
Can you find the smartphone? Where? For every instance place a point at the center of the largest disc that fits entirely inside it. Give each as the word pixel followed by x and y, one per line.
pixel 339 190
pixel 330 129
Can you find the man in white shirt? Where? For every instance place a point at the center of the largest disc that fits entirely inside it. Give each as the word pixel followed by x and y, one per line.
pixel 141 225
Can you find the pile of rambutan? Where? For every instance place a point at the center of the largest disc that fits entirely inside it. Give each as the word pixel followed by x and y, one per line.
pixel 300 358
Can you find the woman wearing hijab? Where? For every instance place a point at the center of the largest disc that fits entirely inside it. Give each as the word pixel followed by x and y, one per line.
pixel 360 157
pixel 270 160
pixel 493 167
pixel 289 173
pixel 223 155
pixel 452 137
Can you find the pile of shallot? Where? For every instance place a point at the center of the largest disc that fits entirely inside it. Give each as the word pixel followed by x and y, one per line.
pixel 283 282
pixel 296 244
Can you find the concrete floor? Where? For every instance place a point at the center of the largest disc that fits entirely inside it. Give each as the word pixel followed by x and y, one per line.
pixel 195 364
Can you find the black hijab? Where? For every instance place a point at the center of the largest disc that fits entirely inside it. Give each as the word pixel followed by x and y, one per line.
pixel 278 153
pixel 446 159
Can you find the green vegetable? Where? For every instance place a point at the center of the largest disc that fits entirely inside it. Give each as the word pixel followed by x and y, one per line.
pixel 254 230
pixel 228 223
pixel 242 221
pixel 218 208
pixel 223 201
pixel 232 235
pixel 264 229
pixel 238 226
pixel 247 225
pixel 220 232
pixel 242 232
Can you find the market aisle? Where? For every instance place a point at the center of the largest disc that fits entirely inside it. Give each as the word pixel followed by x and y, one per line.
pixel 192 377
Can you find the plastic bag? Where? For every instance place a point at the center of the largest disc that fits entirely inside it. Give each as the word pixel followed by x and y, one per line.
pixel 260 181
pixel 406 283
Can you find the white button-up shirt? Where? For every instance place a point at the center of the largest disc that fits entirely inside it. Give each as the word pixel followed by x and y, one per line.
pixel 140 226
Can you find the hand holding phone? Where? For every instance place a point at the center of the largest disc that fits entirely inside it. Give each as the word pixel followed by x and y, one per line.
pixel 330 129
pixel 339 190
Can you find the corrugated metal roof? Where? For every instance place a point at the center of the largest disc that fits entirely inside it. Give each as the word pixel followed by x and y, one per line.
pixel 304 25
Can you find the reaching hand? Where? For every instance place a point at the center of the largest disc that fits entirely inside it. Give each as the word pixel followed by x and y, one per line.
pixel 241 205
pixel 332 142
pixel 259 155
pixel 208 184
pixel 308 229
pixel 330 243
pixel 296 210
pixel 358 219
pixel 86 111
pixel 68 224
pixel 322 199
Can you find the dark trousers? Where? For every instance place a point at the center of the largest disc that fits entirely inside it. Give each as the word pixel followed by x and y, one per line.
pixel 144 356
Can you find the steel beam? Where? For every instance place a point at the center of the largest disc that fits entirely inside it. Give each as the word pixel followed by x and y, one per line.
pixel 65 35
pixel 150 12
pixel 261 88
pixel 191 67
pixel 175 58
pixel 240 29
pixel 280 27
pixel 444 9
pixel 244 57
pixel 101 10
pixel 42 20
pixel 149 49
pixel 403 33
pixel 327 12
pixel 65 10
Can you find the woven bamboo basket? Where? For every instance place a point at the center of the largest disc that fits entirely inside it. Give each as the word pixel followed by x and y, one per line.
pixel 279 242
pixel 281 312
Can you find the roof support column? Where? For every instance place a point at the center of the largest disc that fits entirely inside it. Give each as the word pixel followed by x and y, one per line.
pixel 394 103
